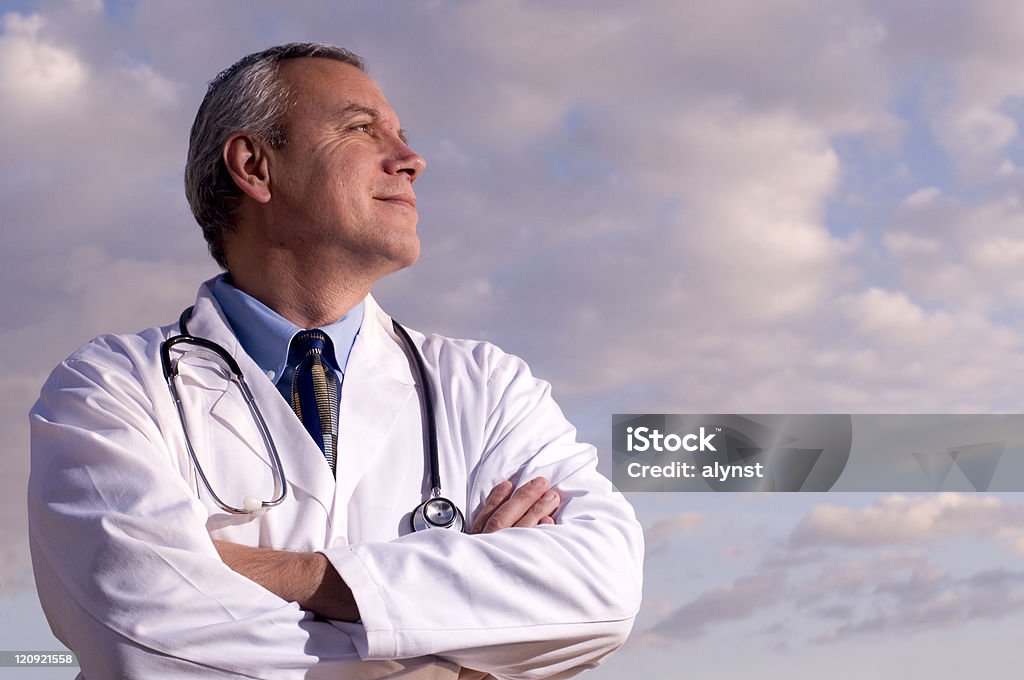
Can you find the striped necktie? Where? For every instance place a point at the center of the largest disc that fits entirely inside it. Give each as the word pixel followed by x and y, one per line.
pixel 315 389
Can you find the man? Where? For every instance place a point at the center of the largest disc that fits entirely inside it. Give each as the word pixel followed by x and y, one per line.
pixel 152 560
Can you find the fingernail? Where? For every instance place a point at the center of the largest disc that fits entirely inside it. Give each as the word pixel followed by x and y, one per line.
pixel 550 496
pixel 537 481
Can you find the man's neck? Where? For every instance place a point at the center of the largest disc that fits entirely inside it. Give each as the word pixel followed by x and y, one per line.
pixel 307 299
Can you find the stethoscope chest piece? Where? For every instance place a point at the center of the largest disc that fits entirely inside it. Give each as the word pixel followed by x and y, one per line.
pixel 437 513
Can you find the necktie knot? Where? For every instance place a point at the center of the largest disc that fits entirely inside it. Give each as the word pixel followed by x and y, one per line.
pixel 309 342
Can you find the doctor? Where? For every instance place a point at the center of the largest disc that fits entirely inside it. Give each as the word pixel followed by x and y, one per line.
pixel 302 180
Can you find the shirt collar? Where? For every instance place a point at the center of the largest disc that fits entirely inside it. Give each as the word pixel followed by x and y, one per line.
pixel 266 336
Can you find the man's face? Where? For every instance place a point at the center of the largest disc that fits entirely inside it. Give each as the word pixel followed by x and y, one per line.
pixel 342 186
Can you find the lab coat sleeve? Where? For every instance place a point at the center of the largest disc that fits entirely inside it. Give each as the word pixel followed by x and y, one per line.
pixel 547 601
pixel 125 569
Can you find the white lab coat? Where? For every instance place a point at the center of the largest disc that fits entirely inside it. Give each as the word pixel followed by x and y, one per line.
pixel 121 531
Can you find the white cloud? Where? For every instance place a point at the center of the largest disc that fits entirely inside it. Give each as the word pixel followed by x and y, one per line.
pixel 964 256
pixel 91 141
pixel 90 6
pixel 891 317
pixel 976 71
pixel 912 520
pixel 847 580
pixel 757 240
pixel 922 197
pixel 1001 253
pixel 36 74
pixel 665 529
pixel 976 135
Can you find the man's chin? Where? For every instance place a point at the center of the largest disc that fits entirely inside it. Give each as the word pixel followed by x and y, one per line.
pixel 403 255
pixel 411 258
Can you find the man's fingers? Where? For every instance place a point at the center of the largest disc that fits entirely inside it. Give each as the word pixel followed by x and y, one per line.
pixel 541 510
pixel 499 494
pixel 530 505
pixel 517 506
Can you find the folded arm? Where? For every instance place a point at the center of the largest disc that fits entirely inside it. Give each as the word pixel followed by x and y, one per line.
pixel 125 568
pixel 309 579
pixel 544 601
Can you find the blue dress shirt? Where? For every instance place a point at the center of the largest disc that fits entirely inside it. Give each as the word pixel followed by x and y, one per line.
pixel 266 336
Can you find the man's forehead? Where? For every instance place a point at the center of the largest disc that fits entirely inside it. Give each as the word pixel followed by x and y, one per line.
pixel 301 68
pixel 333 85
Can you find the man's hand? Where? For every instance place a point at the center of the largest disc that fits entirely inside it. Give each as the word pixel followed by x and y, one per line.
pixel 305 578
pixel 532 504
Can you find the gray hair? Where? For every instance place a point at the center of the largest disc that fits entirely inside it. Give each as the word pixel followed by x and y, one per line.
pixel 248 96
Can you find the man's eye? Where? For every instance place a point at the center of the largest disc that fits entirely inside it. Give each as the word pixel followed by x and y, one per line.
pixel 362 127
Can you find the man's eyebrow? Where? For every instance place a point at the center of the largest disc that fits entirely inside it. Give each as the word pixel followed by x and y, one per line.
pixel 359 108
pixel 372 113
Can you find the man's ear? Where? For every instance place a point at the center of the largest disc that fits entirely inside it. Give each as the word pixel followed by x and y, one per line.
pixel 246 161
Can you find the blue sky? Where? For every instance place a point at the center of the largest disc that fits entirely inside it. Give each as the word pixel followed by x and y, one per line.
pixel 771 206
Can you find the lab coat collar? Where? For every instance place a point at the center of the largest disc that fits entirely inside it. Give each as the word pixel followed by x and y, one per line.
pixel 376 388
pixel 380 346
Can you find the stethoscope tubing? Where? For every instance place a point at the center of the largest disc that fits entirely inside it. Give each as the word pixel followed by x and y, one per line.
pixel 428 405
pixel 170 370
pixel 422 516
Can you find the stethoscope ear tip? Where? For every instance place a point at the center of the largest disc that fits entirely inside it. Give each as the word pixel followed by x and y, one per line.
pixel 254 506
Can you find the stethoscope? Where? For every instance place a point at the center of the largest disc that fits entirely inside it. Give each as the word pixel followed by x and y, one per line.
pixel 437 512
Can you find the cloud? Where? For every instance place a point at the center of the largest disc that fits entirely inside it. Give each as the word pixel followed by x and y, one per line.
pixel 902 590
pixel 852 571
pixel 922 197
pixel 670 207
pixel 685 232
pixel 860 578
pixel 980 66
pixel 682 523
pixel 681 189
pixel 822 587
pixel 911 520
pixel 937 604
pixel 878 311
pixel 35 74
pixel 961 255
pixel 684 186
pixel 736 601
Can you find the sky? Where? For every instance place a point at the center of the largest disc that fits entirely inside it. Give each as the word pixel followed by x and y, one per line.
pixel 778 206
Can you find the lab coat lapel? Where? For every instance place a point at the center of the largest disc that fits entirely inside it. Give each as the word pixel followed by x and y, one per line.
pixel 304 464
pixel 378 386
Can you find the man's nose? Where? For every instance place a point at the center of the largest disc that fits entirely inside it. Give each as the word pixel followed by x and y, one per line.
pixel 404 159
